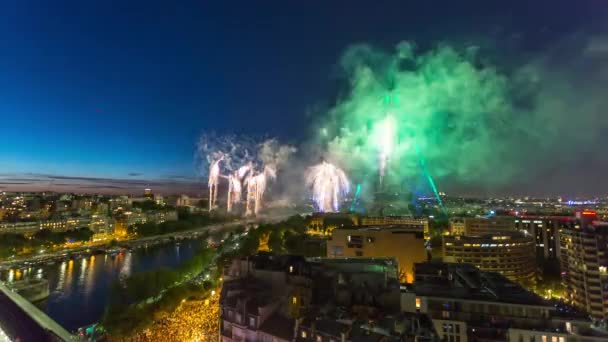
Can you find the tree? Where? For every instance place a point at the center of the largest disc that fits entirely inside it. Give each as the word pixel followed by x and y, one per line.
pixel 275 241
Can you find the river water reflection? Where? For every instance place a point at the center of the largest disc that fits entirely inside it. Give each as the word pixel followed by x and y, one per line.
pixel 79 287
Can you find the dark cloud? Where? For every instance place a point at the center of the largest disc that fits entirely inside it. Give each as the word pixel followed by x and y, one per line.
pixel 179 177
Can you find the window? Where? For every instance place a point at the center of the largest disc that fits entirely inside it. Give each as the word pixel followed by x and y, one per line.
pixel 554 339
pixel 417 303
pixel 252 322
pixel 303 334
pixel 457 328
pixel 359 253
pixel 319 338
pixel 290 269
pixel 562 339
pixel 544 338
pixel 294 300
pixel 532 339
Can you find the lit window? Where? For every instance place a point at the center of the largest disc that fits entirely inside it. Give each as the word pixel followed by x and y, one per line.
pixel 544 338
pixel 290 269
pixel 303 334
pixel 554 339
pixel 417 303
pixel 319 338
pixel 294 300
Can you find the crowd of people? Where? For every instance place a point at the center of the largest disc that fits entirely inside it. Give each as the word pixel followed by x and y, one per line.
pixel 195 320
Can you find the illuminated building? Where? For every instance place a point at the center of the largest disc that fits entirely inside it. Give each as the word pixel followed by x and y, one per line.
pixel 20 227
pixel 466 304
pixel 66 223
pixel 120 226
pixel 405 243
pixel 148 194
pixel 482 225
pixel 511 255
pixel 584 264
pixel 324 223
pixel 545 231
pixel 401 221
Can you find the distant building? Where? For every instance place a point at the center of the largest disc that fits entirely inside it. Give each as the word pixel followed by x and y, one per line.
pixel 545 231
pixel 27 227
pixel 584 264
pixel 64 224
pixel 512 255
pixel 185 201
pixel 482 225
pixel 100 224
pixel 466 304
pixel 148 194
pixel 402 221
pixel 324 223
pixel 405 243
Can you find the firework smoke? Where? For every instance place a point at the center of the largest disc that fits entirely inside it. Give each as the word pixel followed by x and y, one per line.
pixel 328 185
pixel 232 151
pixel 475 125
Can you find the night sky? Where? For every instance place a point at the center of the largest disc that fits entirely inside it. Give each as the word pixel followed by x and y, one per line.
pixel 98 90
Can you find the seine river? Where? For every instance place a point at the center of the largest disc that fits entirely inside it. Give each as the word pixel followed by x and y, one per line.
pixel 79 287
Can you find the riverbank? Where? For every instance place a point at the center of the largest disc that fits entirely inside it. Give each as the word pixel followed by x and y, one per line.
pixel 112 248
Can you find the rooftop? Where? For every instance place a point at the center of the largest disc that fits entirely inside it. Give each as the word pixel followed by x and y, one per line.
pixel 395 227
pixel 279 326
pixel 465 281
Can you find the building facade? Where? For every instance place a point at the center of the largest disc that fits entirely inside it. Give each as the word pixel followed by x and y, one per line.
pixel 405 243
pixel 482 225
pixel 466 304
pixel 512 255
pixel 545 232
pixel 584 264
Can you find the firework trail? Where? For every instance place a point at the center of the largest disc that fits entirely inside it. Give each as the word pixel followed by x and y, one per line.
pixel 256 187
pixel 214 180
pixel 235 185
pixel 386 133
pixel 328 184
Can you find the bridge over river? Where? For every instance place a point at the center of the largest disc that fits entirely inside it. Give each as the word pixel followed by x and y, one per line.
pixel 21 320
